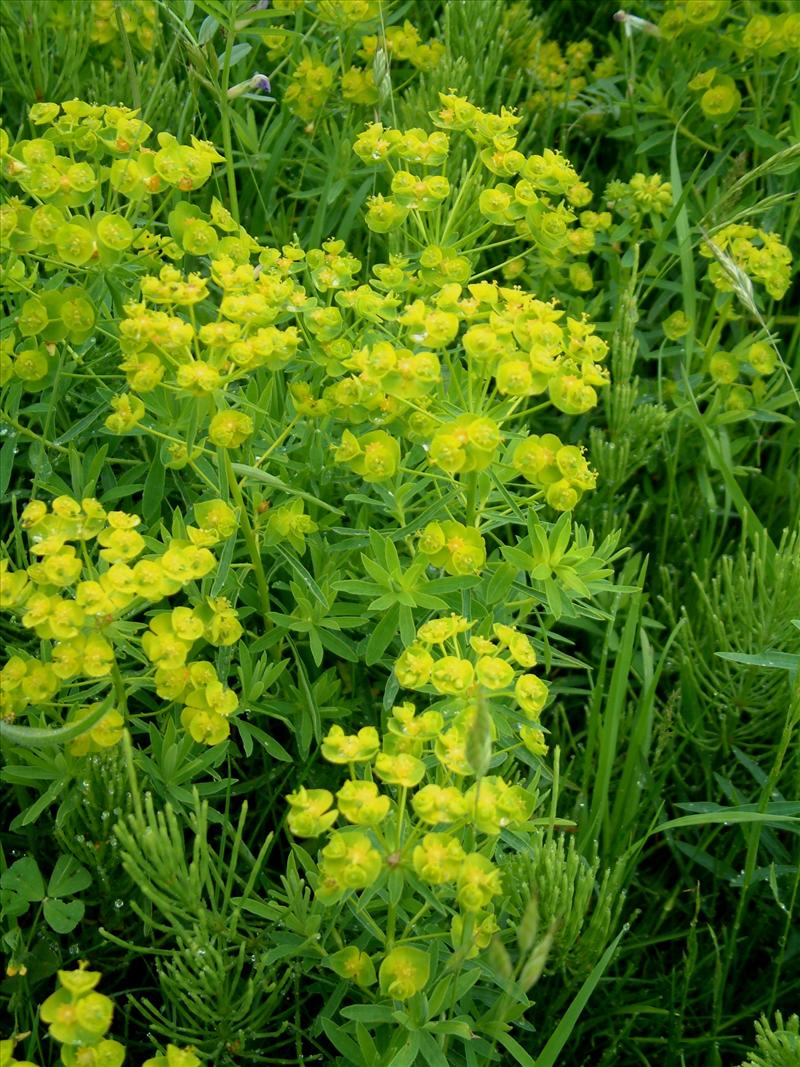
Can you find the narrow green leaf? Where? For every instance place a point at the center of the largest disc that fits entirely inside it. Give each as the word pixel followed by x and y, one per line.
pixel 783 661
pixel 549 1055
pixel 342 1042
pixel 431 1052
pixel 517 1051
pixel 153 493
pixel 269 479
pixel 407 1055
pixel 729 817
pixel 685 252
pixel 382 635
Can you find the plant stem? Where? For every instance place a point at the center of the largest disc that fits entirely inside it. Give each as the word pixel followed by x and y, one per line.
pixel 471 490
pixel 227 143
pixel 119 687
pixel 136 95
pixel 249 539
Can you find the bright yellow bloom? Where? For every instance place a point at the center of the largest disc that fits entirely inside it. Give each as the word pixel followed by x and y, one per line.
pixel 438 858
pixel 339 747
pixel 310 815
pixel 404 972
pixel 400 769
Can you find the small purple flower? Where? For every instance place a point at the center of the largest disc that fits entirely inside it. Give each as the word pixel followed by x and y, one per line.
pixel 633 22
pixel 258 83
pixel 262 5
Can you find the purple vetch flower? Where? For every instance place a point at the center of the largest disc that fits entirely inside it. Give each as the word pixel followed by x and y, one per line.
pixel 262 5
pixel 634 23
pixel 258 83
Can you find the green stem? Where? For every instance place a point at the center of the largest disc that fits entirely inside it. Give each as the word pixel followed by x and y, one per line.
pixel 391 911
pixel 471 490
pixel 24 431
pixel 133 781
pixel 119 688
pixel 401 811
pixel 227 142
pixel 249 538
pixel 466 938
pixel 465 187
pixel 136 95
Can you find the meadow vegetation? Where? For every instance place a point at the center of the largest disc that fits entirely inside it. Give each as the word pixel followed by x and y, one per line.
pixel 400 560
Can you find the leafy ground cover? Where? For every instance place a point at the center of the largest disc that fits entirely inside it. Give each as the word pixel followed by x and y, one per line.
pixel 400 572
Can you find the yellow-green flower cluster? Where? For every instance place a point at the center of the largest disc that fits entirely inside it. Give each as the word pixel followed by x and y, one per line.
pixel 403 44
pixel 742 373
pixel 468 443
pixel 514 344
pixel 720 99
pixel 7 1058
pixel 88 158
pixel 644 195
pixel 92 570
pixel 560 471
pixel 139 24
pixel 139 20
pixel 79 1017
pixel 382 358
pixel 760 255
pixel 104 734
pixel 771 35
pixel 289 523
pixel 358 86
pixel 174 1057
pixel 65 314
pixel 689 16
pixel 347 15
pixel 375 456
pixel 558 76
pixel 529 351
pixel 310 85
pixel 763 33
pixel 541 205
pixel 162 347
pixel 483 671
pixel 405 809
pixel 110 133
pixel 457 548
